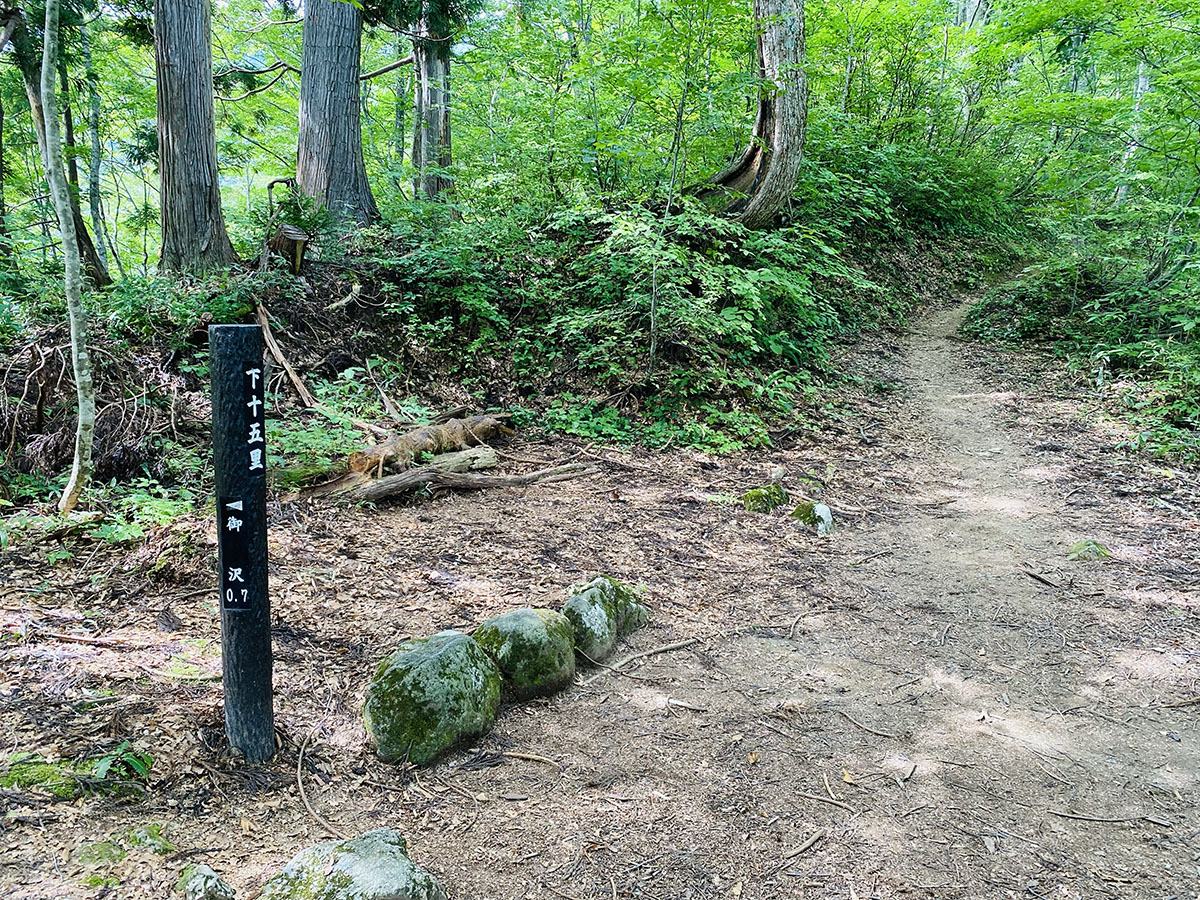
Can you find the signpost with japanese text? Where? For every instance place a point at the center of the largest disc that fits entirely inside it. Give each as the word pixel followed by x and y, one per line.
pixel 240 465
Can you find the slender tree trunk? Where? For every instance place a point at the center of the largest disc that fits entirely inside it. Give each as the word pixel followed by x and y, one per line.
pixel 60 192
pixel 193 226
pixel 26 57
pixel 95 196
pixel 69 123
pixel 1139 94
pixel 329 162
pixel 431 133
pixel 403 93
pixel 6 248
pixel 764 175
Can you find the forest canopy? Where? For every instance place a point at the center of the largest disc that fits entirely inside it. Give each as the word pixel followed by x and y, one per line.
pixel 636 220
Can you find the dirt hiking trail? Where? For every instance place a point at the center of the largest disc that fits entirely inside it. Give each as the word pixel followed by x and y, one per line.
pixel 932 702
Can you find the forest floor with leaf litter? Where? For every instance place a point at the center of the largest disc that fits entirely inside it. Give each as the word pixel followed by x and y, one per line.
pixel 932 702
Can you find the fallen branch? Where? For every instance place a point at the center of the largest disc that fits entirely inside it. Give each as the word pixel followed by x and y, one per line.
pixel 399 451
pixel 617 666
pixel 808 844
pixel 462 461
pixel 828 800
pixel 868 728
pixel 306 396
pixel 390 485
pixel 304 796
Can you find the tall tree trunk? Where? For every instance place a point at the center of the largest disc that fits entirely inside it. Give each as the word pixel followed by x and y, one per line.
pixel 766 172
pixel 329 158
pixel 1141 88
pixel 95 196
pixel 69 123
pixel 193 227
pixel 60 192
pixel 431 118
pixel 403 93
pixel 26 57
pixel 7 258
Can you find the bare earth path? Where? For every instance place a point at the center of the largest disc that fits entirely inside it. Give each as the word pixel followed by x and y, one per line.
pixel 932 703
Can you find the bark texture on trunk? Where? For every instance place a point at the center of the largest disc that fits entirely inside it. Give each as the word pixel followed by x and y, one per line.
pixel 60 193
pixel 193 227
pixel 329 160
pixel 95 197
pixel 765 173
pixel 431 117
pixel 27 59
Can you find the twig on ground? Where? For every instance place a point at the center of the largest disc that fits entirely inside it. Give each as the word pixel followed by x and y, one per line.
pixel 867 559
pixel 94 642
pixel 532 757
pixel 1042 578
pixel 1083 818
pixel 617 666
pixel 809 842
pixel 304 796
pixel 868 728
pixel 829 800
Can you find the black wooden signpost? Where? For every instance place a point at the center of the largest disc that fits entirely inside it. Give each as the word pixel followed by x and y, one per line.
pixel 240 467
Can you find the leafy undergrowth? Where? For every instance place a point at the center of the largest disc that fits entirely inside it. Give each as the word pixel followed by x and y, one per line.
pixel 1139 344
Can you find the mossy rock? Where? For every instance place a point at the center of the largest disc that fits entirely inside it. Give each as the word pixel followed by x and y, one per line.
pixel 1086 549
pixel 372 866
pixel 602 610
pixel 151 836
pixel 816 514
pixel 199 882
pixel 429 695
pixel 764 499
pixel 57 779
pixel 631 613
pixel 534 649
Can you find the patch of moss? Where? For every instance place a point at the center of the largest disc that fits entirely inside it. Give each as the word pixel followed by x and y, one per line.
pixel 30 772
pixel 100 853
pixel 151 837
pixel 764 499
pixel 428 695
pixel 533 648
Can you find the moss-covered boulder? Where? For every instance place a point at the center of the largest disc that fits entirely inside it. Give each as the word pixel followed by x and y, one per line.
pixel 199 882
pixel 764 499
pixel 428 695
pixel 626 602
pixel 601 610
pixel 372 866
pixel 534 649
pixel 594 622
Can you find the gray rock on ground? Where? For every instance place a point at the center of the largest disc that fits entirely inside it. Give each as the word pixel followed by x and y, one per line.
pixel 602 610
pixel 199 882
pixel 429 695
pixel 534 649
pixel 372 866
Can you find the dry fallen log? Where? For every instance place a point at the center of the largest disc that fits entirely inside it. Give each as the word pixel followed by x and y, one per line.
pixel 470 460
pixel 398 452
pixel 391 485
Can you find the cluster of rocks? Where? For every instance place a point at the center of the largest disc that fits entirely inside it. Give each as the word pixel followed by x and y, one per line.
pixel 772 496
pixel 433 693
pixel 429 695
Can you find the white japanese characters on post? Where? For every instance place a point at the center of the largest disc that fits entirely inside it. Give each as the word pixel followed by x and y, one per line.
pixel 235 561
pixel 239 466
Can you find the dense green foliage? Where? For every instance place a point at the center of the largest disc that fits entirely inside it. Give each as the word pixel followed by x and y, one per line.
pixel 555 281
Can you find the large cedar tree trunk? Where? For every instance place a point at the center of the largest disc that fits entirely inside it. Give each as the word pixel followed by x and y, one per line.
pixel 431 131
pixel 28 59
pixel 329 163
pixel 765 173
pixel 193 227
